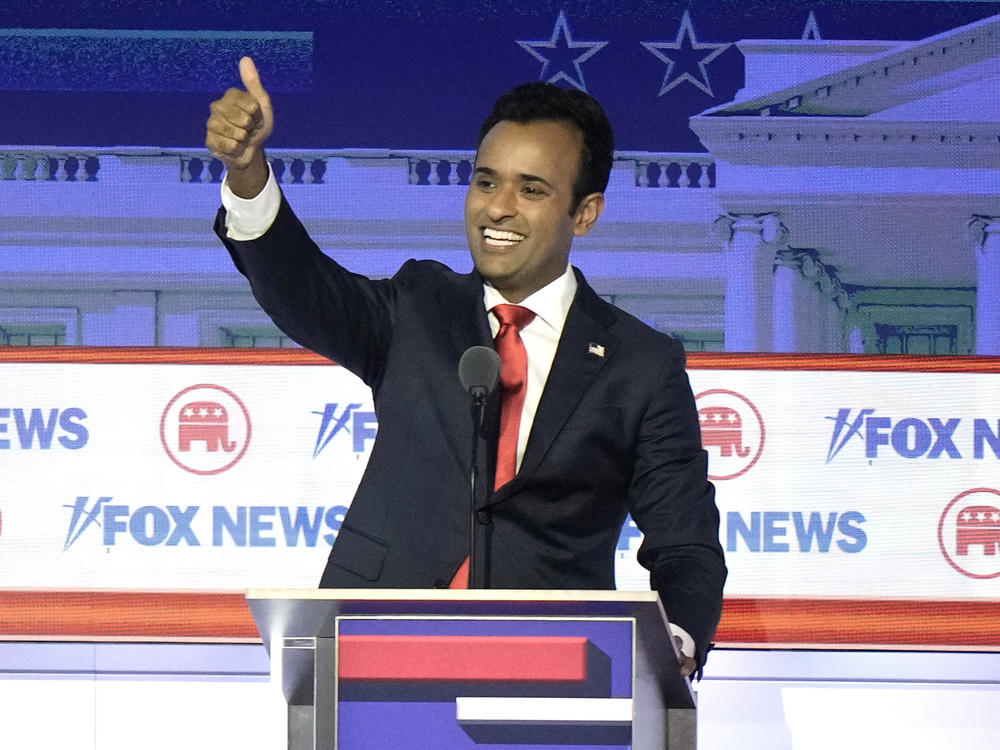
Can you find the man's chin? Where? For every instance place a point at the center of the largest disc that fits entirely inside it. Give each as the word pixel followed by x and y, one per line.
pixel 502 282
pixel 490 269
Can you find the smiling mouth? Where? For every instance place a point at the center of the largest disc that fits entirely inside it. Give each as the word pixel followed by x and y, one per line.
pixel 501 237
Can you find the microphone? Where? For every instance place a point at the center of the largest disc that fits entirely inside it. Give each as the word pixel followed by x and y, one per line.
pixel 479 371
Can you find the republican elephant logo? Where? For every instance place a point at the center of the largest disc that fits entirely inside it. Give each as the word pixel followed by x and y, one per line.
pixel 722 428
pixel 204 422
pixel 732 432
pixel 969 533
pixel 205 429
pixel 978 525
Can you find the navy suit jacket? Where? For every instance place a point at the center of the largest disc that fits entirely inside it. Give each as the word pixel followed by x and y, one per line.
pixel 616 432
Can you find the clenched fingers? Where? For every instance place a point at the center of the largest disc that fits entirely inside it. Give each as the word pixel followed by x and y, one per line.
pixel 236 112
pixel 234 125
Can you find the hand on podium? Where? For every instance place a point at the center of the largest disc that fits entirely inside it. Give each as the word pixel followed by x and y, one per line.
pixel 687 664
pixel 236 130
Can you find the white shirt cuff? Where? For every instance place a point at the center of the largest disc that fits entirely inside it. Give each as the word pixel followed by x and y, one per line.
pixel 687 642
pixel 249 218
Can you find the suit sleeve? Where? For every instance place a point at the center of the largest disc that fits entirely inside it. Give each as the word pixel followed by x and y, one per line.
pixel 673 504
pixel 315 301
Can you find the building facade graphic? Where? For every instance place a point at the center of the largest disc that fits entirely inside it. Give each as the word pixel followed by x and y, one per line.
pixel 831 195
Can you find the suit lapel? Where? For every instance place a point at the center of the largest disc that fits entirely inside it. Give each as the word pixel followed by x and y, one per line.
pixel 584 347
pixel 469 324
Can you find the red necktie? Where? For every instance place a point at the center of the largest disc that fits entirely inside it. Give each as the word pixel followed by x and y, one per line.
pixel 513 381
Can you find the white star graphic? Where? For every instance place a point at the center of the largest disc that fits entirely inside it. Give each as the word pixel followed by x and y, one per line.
pixel 561 41
pixel 681 46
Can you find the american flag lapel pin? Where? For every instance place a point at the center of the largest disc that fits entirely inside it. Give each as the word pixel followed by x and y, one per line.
pixel 596 349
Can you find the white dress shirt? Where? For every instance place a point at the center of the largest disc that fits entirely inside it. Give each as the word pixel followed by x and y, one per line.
pixel 541 337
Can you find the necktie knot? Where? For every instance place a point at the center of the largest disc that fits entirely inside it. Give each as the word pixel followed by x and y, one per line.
pixel 513 357
pixel 513 315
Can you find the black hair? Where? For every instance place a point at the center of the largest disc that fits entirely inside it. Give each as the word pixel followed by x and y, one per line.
pixel 539 101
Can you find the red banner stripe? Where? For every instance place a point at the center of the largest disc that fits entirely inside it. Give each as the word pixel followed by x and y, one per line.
pixel 695 360
pixel 843 623
pixel 427 658
pixel 105 615
pixel 155 355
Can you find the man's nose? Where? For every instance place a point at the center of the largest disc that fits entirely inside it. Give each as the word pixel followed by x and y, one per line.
pixel 502 204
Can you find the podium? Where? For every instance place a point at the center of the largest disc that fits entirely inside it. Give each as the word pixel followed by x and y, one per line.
pixel 451 669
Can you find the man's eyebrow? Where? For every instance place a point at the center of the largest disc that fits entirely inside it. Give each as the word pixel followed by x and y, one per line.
pixel 524 176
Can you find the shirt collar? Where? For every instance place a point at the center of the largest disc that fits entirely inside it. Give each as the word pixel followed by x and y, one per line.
pixel 551 303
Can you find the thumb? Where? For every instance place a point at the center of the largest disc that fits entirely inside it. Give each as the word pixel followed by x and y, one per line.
pixel 251 80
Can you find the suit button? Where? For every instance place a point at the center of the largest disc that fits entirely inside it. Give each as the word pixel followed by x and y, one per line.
pixel 439 584
pixel 483 517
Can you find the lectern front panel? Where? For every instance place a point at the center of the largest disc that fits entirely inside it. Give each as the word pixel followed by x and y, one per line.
pixel 436 682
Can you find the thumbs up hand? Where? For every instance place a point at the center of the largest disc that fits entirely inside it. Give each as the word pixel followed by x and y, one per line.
pixel 239 124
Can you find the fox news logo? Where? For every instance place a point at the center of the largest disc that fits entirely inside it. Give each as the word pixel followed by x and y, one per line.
pixel 790 531
pixel 195 525
pixel 349 419
pixel 933 437
pixel 781 531
pixel 42 429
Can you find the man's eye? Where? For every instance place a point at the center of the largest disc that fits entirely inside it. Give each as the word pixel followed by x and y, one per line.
pixel 533 191
pixel 484 184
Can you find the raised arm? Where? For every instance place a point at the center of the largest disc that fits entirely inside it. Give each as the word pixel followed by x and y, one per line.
pixel 308 295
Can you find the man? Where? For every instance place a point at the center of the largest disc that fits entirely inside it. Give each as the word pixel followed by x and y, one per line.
pixel 596 417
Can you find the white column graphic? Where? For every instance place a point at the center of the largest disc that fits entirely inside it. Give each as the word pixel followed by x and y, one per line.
pixel 985 234
pixel 751 243
pixel 810 305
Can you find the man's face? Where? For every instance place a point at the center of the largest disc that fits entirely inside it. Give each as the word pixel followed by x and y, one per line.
pixel 517 209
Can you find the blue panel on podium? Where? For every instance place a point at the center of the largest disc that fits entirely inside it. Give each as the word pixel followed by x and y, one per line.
pixel 419 682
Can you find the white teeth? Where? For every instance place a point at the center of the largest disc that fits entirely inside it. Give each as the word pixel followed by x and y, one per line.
pixel 501 237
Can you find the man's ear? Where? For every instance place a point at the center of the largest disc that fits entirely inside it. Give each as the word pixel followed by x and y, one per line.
pixel 587 213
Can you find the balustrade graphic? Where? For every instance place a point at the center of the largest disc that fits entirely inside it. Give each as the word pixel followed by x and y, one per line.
pixel 310 167
pixel 49 165
pixel 674 171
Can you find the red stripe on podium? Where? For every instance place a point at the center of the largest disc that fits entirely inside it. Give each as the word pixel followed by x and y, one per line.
pixel 462 658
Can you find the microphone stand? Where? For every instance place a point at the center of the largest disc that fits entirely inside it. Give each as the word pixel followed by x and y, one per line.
pixel 479 371
pixel 479 395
